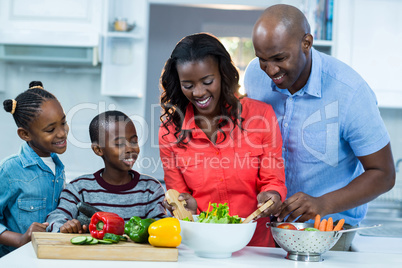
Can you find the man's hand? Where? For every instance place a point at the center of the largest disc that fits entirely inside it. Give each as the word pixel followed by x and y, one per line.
pixel 300 205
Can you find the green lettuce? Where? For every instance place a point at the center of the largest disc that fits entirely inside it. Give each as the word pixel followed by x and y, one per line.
pixel 218 214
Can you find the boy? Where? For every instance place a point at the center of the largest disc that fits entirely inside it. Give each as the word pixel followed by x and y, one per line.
pixel 116 188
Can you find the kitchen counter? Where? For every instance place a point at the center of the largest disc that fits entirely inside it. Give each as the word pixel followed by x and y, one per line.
pixel 247 257
pixel 374 244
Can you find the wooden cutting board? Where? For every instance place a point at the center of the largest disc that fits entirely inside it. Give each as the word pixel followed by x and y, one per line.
pixel 58 246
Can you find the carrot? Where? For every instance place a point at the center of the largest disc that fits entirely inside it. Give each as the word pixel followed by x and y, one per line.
pixel 323 225
pixel 317 221
pixel 330 224
pixel 339 226
pixel 209 204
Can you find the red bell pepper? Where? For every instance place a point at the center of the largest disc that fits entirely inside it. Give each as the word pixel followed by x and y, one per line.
pixel 106 222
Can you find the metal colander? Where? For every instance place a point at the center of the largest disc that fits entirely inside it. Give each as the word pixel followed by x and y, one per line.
pixel 304 245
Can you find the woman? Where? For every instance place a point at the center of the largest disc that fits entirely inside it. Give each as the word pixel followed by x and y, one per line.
pixel 215 147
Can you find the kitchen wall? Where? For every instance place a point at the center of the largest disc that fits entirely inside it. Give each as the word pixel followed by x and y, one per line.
pixel 79 92
pixel 164 33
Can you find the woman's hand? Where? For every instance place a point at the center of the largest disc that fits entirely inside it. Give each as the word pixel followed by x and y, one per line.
pixel 190 200
pixel 73 226
pixel 263 197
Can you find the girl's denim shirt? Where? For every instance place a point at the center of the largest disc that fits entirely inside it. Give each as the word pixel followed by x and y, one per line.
pixel 28 191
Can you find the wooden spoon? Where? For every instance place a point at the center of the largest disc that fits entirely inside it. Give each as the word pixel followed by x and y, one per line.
pixel 180 212
pixel 258 211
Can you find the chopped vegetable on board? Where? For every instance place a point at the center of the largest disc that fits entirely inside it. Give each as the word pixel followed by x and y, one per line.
pixel 106 222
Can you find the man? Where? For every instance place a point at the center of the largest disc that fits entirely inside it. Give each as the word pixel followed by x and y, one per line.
pixel 336 148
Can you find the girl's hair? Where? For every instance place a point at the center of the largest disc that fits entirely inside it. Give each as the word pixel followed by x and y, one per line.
pixel 27 105
pixel 198 47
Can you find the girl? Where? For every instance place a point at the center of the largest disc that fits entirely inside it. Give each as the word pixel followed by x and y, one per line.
pixel 215 147
pixel 31 181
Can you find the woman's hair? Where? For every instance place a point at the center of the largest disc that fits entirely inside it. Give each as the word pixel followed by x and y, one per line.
pixel 27 105
pixel 198 47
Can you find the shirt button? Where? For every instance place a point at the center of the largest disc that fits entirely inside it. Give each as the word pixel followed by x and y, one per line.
pixel 290 99
pixel 55 200
pixel 57 181
pixel 217 153
pixel 286 124
pixel 31 207
pixel 283 149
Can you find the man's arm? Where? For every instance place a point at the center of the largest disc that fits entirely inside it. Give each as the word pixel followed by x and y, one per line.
pixel 378 178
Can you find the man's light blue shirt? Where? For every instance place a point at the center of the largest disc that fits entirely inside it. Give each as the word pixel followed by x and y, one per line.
pixel 28 191
pixel 325 126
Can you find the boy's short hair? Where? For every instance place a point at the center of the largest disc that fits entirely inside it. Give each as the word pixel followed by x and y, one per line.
pixel 101 122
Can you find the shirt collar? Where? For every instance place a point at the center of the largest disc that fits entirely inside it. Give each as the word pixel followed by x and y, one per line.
pixel 313 85
pixel 29 157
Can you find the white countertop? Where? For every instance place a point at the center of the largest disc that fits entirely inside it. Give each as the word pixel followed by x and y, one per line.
pixel 377 244
pixel 247 257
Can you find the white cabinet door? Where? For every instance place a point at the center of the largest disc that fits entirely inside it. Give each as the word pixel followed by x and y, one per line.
pixel 371 37
pixel 124 57
pixel 50 15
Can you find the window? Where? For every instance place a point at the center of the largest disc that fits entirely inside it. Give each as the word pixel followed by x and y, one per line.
pixel 242 52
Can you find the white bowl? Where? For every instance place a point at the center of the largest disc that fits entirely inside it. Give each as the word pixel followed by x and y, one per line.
pixel 216 240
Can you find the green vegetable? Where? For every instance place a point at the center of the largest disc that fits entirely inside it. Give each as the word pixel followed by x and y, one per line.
pixel 105 242
pixel 310 229
pixel 84 220
pixel 87 209
pixel 83 240
pixel 218 214
pixel 93 242
pixel 114 238
pixel 137 229
pixel 78 240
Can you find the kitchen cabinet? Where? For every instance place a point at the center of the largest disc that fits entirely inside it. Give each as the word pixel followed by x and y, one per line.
pixel 124 53
pixel 62 16
pixel 65 31
pixel 370 37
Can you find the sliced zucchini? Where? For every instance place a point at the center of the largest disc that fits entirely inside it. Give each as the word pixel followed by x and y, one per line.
pixel 111 237
pixel 89 239
pixel 78 240
pixel 104 242
pixel 94 241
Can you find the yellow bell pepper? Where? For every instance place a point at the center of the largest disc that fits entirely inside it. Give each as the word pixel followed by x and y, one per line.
pixel 165 233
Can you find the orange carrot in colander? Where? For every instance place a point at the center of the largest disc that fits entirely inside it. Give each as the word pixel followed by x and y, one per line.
pixel 317 221
pixel 330 224
pixel 323 225
pixel 339 226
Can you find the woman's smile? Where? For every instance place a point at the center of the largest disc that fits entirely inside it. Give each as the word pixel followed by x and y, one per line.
pixel 201 84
